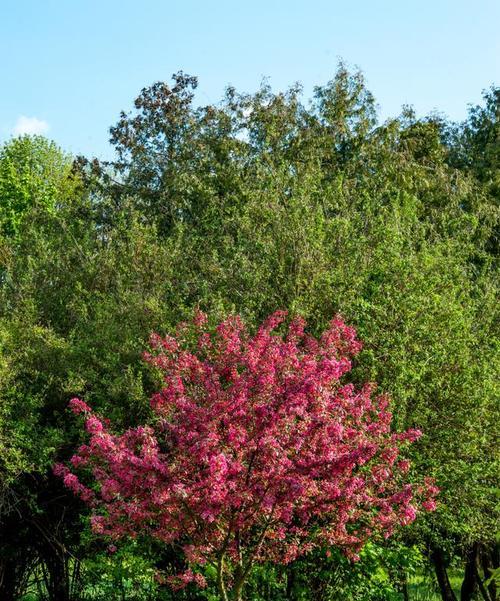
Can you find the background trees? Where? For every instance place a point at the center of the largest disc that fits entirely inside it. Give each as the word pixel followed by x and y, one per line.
pixel 262 201
pixel 33 173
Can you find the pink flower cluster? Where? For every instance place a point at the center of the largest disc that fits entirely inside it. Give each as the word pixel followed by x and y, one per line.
pixel 258 451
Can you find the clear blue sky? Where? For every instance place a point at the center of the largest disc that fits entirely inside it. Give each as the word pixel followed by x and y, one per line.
pixel 70 66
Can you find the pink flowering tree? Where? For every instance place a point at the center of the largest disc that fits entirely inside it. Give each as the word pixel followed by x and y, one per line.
pixel 257 453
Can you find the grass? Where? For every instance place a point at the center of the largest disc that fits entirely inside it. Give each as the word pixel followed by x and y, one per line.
pixel 422 588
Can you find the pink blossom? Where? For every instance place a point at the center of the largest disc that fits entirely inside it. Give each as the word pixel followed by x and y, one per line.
pixel 409 514
pixel 258 450
pixel 429 505
pixel 78 406
pixel 97 523
pixel 93 425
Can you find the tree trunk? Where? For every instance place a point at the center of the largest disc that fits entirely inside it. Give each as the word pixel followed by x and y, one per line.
pixel 9 580
pixel 17 557
pixel 484 592
pixel 58 581
pixel 469 584
pixel 290 581
pixel 488 564
pixel 437 559
pixel 221 585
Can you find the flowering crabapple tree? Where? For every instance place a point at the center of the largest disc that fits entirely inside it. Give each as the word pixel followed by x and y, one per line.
pixel 257 453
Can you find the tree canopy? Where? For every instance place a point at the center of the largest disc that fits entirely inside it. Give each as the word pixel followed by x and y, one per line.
pixel 260 202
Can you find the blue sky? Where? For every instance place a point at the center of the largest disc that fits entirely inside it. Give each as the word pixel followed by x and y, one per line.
pixel 70 66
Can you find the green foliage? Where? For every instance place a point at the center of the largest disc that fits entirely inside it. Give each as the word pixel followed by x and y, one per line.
pixel 122 575
pixel 258 203
pixel 273 204
pixel 33 172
